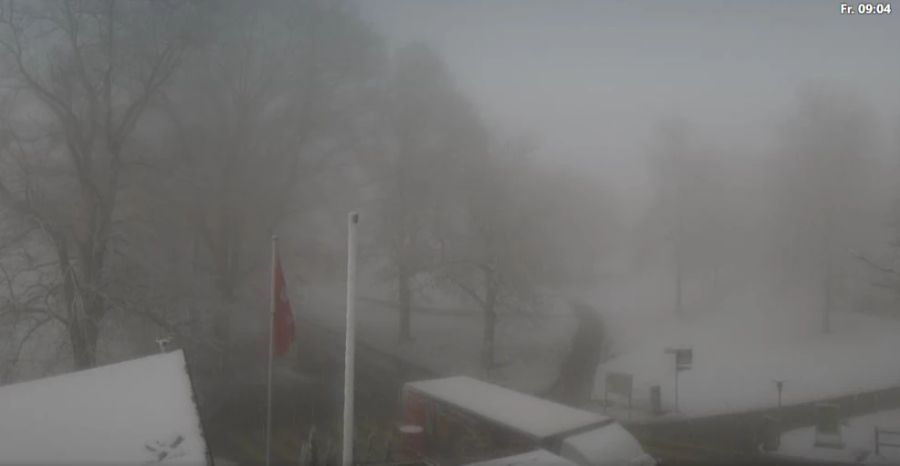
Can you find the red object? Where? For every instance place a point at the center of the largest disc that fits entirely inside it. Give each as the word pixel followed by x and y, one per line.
pixel 283 319
pixel 415 413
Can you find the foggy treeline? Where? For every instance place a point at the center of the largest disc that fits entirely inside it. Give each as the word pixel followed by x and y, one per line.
pixel 148 151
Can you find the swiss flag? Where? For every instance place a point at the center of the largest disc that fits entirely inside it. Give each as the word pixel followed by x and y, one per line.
pixel 283 318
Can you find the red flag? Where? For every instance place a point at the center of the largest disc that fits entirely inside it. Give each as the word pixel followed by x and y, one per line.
pixel 283 318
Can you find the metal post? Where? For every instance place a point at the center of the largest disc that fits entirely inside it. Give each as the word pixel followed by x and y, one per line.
pixel 606 396
pixel 676 386
pixel 779 385
pixel 349 356
pixel 629 404
pixel 271 350
pixel 876 441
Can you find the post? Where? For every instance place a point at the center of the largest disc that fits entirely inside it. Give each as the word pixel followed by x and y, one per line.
pixel 826 308
pixel 683 359
pixel 349 356
pixel 606 395
pixel 629 404
pixel 676 388
pixel 876 441
pixel 271 350
pixel 779 384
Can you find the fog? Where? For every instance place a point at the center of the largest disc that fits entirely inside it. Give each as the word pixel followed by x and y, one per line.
pixel 553 197
pixel 595 81
pixel 592 79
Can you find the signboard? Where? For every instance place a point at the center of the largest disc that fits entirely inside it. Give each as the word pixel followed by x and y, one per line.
pixel 684 357
pixel 619 383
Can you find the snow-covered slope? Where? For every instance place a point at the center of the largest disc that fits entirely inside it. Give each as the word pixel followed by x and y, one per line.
pixel 135 412
pixel 737 357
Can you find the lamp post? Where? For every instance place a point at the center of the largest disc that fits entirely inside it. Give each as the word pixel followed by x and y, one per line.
pixel 779 385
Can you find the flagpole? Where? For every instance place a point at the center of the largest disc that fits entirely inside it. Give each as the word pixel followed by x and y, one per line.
pixel 349 356
pixel 271 346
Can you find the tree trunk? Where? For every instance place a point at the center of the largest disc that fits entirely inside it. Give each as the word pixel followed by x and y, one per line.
pixel 490 321
pixel 404 296
pixel 826 239
pixel 679 308
pixel 679 272
pixel 84 336
pixel 84 306
pixel 227 263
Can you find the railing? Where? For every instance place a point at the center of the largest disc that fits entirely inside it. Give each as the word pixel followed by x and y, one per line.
pixel 880 434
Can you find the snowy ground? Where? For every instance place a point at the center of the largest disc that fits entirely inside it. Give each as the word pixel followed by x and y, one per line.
pixel 135 412
pixel 737 356
pixel 858 435
pixel 528 349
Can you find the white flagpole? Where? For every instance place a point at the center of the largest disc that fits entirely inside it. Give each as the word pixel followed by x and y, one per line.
pixel 271 350
pixel 349 356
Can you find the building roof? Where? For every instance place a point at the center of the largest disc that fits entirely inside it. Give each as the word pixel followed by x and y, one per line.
pixel 608 445
pixel 135 412
pixel 533 458
pixel 527 414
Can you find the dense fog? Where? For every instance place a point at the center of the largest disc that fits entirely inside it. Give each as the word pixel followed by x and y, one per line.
pixel 561 182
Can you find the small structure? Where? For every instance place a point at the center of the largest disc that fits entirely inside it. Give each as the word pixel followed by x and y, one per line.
pixel 135 412
pixel 828 426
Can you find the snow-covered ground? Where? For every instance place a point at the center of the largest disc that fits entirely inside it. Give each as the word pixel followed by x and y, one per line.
pixel 738 355
pixel 528 349
pixel 134 412
pixel 858 435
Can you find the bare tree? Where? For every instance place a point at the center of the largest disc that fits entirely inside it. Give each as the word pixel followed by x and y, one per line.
pixel 825 142
pixel 431 130
pixel 686 217
pixel 275 98
pixel 91 70
pixel 492 252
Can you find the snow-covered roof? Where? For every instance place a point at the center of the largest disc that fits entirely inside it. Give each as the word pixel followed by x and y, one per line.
pixel 135 412
pixel 533 458
pixel 530 415
pixel 607 445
